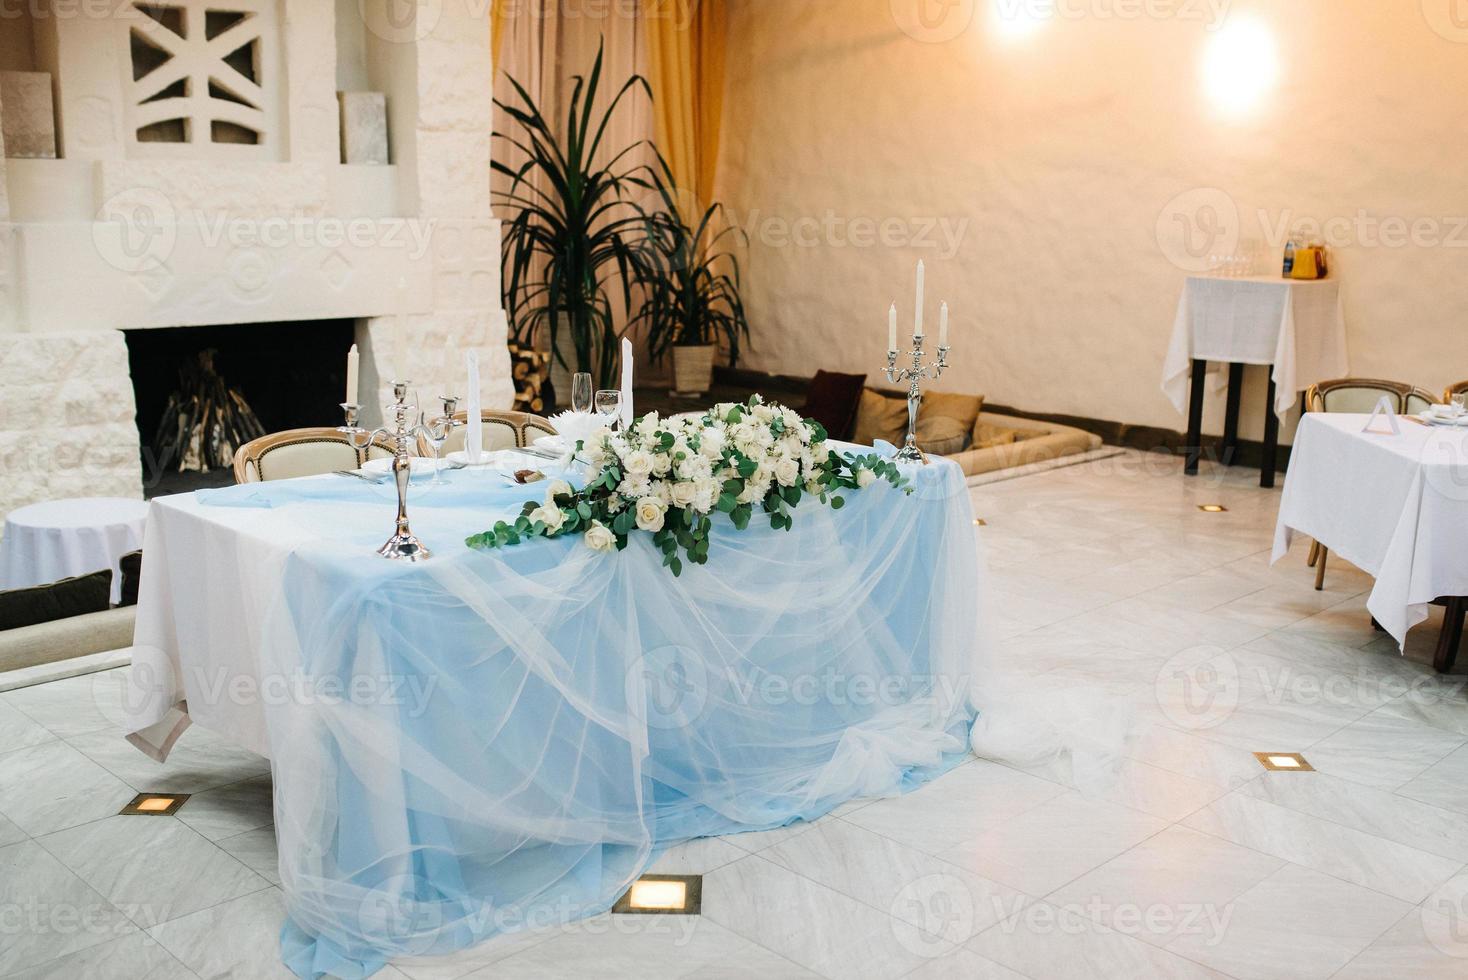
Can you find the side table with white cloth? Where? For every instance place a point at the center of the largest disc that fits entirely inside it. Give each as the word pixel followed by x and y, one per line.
pixel 1296 326
pixel 1393 501
pixel 58 539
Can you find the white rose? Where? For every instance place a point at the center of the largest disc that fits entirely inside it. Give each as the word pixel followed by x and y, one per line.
pixel 661 464
pixel 557 488
pixel 600 538
pixel 638 463
pixel 787 471
pixel 683 494
pixel 550 515
pixel 650 514
pixel 865 477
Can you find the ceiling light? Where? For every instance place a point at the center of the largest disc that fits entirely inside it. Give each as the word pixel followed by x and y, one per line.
pixel 1240 64
pixel 1015 20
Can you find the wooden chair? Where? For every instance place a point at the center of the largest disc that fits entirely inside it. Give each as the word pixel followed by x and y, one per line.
pixel 501 430
pixel 1359 396
pixel 300 452
pixel 1454 389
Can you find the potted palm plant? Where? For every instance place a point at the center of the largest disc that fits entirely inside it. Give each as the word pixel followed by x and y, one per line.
pixel 692 303
pixel 576 235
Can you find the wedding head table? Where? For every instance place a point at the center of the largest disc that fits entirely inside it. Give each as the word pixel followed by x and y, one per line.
pixel 492 740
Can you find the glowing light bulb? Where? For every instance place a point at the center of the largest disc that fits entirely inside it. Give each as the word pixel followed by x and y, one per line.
pixel 1240 65
pixel 1015 20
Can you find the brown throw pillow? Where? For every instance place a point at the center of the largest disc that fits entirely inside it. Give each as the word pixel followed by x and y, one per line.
pixel 831 399
pixel 941 435
pixel 131 566
pixel 56 600
pixel 880 417
pixel 987 436
pixel 964 408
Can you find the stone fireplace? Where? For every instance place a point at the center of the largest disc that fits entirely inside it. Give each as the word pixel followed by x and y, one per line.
pixel 198 178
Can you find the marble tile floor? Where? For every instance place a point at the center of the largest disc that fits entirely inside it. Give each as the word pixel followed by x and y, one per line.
pixel 1191 861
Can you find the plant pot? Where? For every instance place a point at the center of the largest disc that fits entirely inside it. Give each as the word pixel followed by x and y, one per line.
pixel 693 368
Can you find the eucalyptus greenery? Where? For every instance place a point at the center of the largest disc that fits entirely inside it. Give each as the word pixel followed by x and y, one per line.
pixel 576 237
pixel 672 477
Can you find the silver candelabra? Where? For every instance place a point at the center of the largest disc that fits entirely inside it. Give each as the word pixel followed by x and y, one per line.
pixel 402 432
pixel 914 376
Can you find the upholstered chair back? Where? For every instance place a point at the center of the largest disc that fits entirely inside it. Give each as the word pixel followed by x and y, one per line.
pixel 1454 389
pixel 1361 395
pixel 299 452
pixel 501 430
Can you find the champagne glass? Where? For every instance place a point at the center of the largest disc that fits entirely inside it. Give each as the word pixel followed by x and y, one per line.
pixel 581 389
pixel 609 407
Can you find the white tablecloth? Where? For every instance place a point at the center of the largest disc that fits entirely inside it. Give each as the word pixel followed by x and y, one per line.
pixel 1297 326
pixel 61 538
pixel 1394 505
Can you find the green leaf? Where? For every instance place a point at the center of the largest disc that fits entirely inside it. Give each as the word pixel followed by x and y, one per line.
pixel 676 566
pixel 747 467
pixel 584 509
pixel 838 502
pixel 726 503
pixel 733 487
pixel 791 495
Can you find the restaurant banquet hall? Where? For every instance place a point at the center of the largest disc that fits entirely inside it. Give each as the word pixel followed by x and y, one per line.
pixel 706 489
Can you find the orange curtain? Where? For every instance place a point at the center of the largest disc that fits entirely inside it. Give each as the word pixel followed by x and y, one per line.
pixel 686 70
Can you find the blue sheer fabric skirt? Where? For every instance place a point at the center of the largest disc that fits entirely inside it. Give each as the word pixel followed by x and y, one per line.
pixel 495 741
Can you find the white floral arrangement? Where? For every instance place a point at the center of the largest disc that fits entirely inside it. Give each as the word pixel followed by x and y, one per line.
pixel 670 477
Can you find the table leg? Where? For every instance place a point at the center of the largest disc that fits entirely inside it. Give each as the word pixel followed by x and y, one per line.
pixel 1194 447
pixel 1231 417
pixel 1271 441
pixel 1451 637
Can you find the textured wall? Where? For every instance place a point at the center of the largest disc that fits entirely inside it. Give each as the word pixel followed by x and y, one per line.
pixel 1054 159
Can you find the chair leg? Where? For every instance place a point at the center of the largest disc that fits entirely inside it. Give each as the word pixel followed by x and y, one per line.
pixel 1314 554
pixel 1451 637
pixel 1320 569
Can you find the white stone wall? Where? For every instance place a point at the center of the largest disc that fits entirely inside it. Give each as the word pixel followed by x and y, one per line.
pixel 66 418
pixel 67 287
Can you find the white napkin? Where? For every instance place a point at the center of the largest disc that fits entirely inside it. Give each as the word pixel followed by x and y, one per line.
pixel 474 434
pixel 626 382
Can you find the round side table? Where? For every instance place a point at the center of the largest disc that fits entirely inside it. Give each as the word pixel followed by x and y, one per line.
pixel 57 539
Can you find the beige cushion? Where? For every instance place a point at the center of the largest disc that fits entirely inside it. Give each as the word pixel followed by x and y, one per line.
pixel 964 408
pixel 63 639
pixel 941 435
pixel 880 417
pixel 305 459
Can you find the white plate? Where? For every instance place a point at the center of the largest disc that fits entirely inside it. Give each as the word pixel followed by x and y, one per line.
pixel 485 458
pixel 1431 419
pixel 377 467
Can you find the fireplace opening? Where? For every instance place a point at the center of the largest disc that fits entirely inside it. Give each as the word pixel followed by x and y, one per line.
pixel 230 382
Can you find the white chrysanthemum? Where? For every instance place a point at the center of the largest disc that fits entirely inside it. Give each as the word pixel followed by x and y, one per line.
pixel 638 463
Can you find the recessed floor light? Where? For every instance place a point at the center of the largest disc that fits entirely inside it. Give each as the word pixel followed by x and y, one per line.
pixel 1213 508
pixel 155 804
pixel 662 895
pixel 980 522
pixel 1283 762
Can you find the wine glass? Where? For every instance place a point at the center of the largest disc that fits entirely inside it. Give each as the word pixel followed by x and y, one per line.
pixel 581 389
pixel 609 407
pixel 436 433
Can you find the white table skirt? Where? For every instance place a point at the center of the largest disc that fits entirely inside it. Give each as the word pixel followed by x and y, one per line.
pixel 1394 505
pixel 1297 326
pixel 57 539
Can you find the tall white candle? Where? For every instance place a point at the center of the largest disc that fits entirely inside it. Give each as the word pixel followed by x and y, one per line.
pixel 943 325
pixel 398 330
pixel 892 329
pixel 917 322
pixel 352 375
